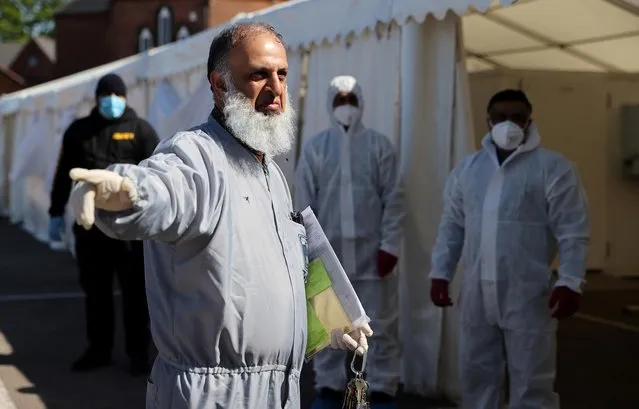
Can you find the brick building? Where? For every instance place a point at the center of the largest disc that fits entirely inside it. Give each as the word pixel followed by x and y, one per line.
pixel 36 61
pixel 26 64
pixel 90 33
pixel 9 80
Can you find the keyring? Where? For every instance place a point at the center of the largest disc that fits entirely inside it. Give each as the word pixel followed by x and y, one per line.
pixel 360 373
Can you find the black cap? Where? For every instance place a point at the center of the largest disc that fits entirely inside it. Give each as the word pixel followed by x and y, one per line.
pixel 111 84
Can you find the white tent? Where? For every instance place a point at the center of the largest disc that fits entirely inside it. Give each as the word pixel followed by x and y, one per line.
pixel 409 56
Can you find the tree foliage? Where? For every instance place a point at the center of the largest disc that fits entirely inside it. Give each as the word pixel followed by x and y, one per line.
pixel 22 19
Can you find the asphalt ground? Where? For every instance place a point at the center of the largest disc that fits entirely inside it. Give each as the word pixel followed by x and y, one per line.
pixel 42 332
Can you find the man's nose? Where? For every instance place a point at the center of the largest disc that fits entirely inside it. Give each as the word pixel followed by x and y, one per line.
pixel 275 85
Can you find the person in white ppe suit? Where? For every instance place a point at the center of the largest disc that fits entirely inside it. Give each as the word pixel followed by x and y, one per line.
pixel 224 259
pixel 348 175
pixel 510 207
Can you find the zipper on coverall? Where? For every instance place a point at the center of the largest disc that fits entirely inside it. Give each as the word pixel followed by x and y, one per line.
pixel 289 364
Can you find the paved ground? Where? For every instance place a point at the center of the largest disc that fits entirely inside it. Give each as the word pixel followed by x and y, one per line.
pixel 39 336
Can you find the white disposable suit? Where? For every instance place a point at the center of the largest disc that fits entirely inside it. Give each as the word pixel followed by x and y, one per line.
pixel 350 180
pixel 224 273
pixel 510 220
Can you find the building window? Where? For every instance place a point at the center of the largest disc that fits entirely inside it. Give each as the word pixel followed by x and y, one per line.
pixel 182 33
pixel 32 61
pixel 165 26
pixel 145 40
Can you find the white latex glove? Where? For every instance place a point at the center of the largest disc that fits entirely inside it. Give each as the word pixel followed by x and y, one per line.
pixel 100 189
pixel 355 340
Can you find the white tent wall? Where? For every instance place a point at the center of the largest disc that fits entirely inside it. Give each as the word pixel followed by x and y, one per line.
pixel 165 100
pixel 193 111
pixel 180 84
pixel 195 79
pixel 7 134
pixel 17 187
pixel 137 97
pixel 34 165
pixel 578 115
pixel 435 134
pixel 167 95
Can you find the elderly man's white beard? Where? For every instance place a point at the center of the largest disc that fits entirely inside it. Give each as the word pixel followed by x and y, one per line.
pixel 270 134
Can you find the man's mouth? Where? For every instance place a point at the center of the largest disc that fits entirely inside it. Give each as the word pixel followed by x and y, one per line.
pixel 269 108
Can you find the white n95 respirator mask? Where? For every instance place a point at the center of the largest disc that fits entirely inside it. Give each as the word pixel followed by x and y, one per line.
pixel 346 115
pixel 507 135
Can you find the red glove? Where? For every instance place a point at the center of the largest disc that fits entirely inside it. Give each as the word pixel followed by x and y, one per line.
pixel 439 293
pixel 564 302
pixel 385 263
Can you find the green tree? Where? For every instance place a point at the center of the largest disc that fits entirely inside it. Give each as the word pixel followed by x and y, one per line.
pixel 22 19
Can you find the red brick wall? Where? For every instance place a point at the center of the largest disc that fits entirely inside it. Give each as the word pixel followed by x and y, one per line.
pixel 81 43
pixel 43 71
pixel 128 17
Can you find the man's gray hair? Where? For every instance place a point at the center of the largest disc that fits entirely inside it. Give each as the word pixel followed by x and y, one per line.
pixel 229 38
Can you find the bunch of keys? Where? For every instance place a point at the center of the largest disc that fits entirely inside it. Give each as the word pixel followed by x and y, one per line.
pixel 357 389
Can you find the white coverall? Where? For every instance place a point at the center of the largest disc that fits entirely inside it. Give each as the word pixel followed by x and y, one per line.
pixel 350 180
pixel 510 220
pixel 224 273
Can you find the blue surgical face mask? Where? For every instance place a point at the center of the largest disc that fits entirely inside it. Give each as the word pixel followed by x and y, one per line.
pixel 112 106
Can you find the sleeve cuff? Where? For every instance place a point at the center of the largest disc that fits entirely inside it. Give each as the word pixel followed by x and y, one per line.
pixel 438 275
pixel 573 283
pixel 392 250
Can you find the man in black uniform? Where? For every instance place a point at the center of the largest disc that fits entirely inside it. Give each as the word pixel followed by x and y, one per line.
pixel 112 133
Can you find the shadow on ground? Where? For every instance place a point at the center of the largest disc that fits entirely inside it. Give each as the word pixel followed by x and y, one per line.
pixel 598 364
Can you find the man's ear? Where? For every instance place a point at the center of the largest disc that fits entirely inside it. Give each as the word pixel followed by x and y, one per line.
pixel 218 85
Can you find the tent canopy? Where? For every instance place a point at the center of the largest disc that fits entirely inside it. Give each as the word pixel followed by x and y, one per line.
pixel 326 20
pixel 564 35
pixel 557 35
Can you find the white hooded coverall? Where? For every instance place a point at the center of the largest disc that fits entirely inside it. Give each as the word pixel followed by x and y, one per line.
pixel 510 220
pixel 224 273
pixel 350 180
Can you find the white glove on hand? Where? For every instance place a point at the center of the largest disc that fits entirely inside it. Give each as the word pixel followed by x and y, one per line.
pixel 353 341
pixel 100 189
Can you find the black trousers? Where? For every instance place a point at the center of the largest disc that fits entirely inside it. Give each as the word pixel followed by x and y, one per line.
pixel 99 259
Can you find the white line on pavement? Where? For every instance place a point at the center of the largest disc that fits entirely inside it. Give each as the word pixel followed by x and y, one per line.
pixel 609 323
pixel 5 400
pixel 43 297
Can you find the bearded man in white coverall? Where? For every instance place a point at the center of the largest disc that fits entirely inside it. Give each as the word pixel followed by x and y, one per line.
pixel 510 206
pixel 224 259
pixel 348 175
